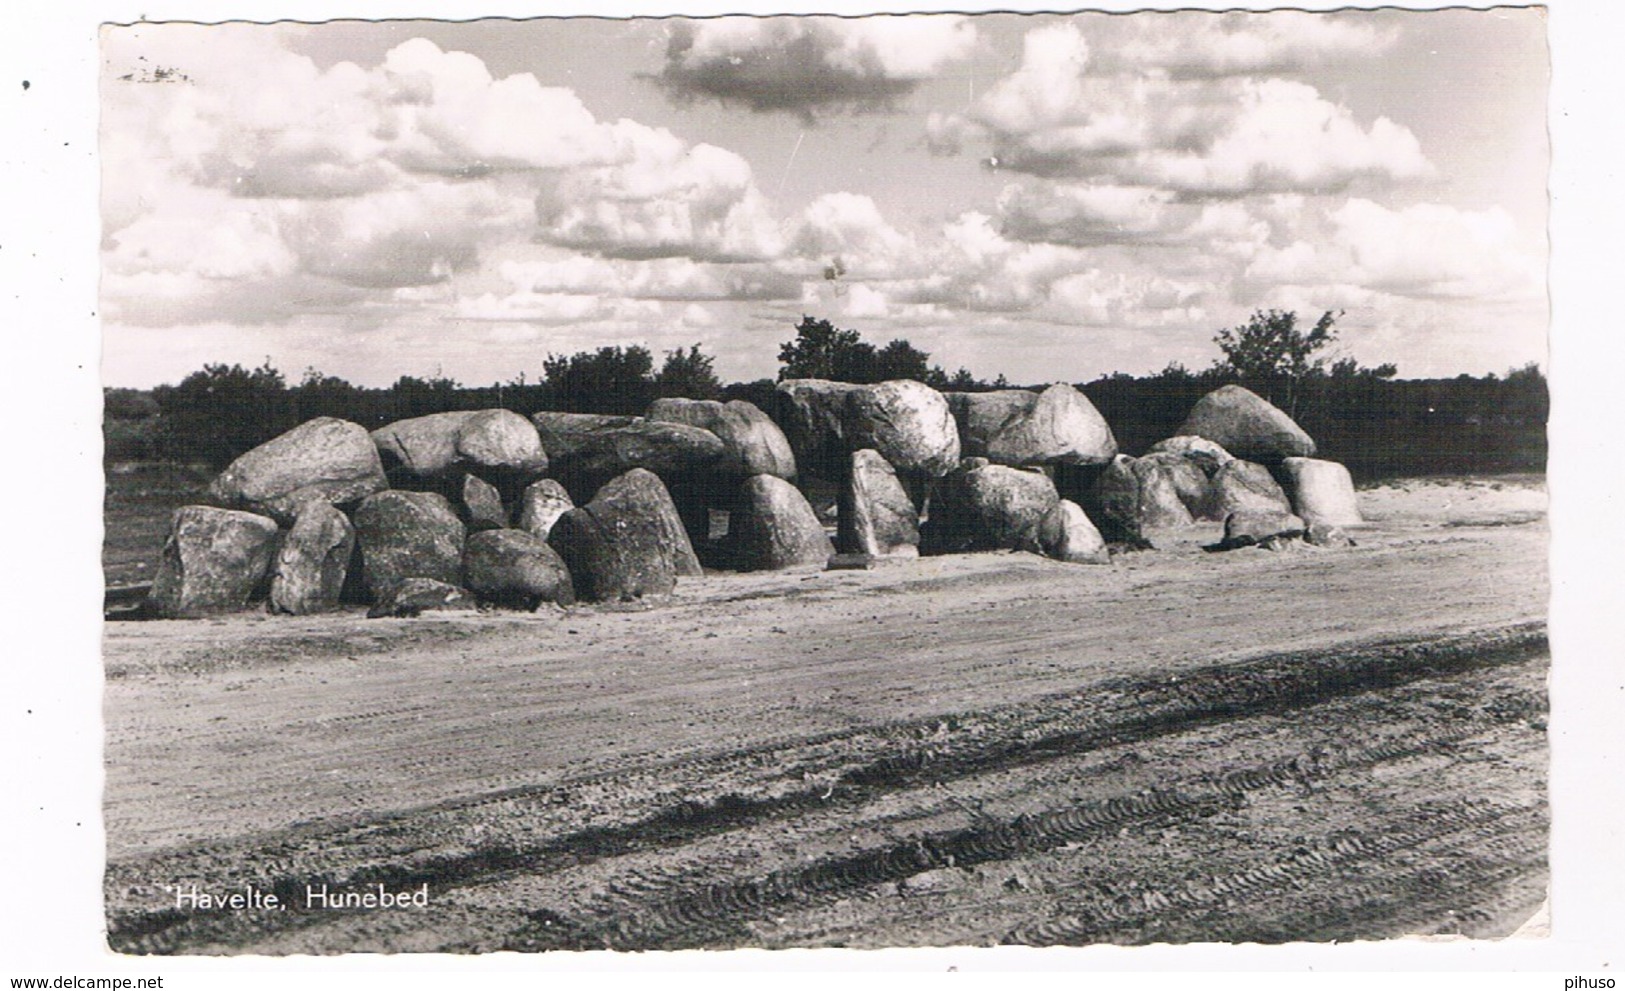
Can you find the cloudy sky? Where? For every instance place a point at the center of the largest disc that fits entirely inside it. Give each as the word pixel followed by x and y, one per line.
pixel 1047 197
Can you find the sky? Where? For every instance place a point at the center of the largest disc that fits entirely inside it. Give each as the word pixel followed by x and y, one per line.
pixel 1047 197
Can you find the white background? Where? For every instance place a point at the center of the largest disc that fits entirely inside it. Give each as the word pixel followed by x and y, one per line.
pixel 50 529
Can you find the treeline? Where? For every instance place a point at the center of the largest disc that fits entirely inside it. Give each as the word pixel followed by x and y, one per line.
pixel 1378 426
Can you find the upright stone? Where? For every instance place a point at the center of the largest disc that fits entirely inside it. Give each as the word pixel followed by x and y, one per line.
pixel 995 507
pixel 626 542
pixel 1066 534
pixel 774 527
pixel 1139 494
pixel 541 506
pixel 877 516
pixel 313 562
pixel 1245 487
pixel 482 505
pixel 515 568
pixel 1321 491
pixel 1246 425
pixel 214 560
pixel 321 460
pixel 1190 482
pixel 408 535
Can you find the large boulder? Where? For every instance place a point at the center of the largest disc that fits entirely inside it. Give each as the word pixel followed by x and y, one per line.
pixel 314 560
pixel 1190 481
pixel 588 450
pixel 482 504
pixel 1244 487
pixel 1138 494
pixel 626 543
pixel 877 516
pixel 994 507
pixel 1246 425
pixel 812 414
pixel 773 527
pixel 1020 427
pixel 1320 491
pixel 908 423
pixel 1067 534
pixel 414 596
pixel 321 460
pixel 515 568
pixel 752 444
pixel 495 442
pixel 408 535
pixel 541 505
pixel 214 560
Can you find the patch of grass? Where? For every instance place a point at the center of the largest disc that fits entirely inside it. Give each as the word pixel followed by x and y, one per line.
pixel 138 499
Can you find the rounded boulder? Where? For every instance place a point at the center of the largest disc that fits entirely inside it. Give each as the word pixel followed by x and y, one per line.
pixel 313 561
pixel 752 444
pixel 995 507
pixel 321 460
pixel 1320 491
pixel 626 543
pixel 1020 427
pixel 515 568
pixel 1067 534
pixel 907 422
pixel 773 527
pixel 489 441
pixel 408 535
pixel 1247 425
pixel 214 560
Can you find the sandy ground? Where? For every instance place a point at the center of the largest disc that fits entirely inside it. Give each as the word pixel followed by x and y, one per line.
pixel 1251 745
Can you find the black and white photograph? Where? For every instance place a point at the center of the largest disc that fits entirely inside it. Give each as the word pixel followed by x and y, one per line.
pixel 541 489
pixel 661 483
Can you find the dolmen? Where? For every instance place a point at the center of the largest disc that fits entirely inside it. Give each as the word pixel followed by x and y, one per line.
pixel 492 509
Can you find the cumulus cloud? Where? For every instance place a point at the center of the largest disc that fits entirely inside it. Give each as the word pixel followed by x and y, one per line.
pixel 227 189
pixel 669 199
pixel 1210 45
pixel 849 229
pixel 1065 114
pixel 810 65
pixel 1422 251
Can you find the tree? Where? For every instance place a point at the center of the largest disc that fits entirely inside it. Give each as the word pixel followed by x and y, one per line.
pixel 324 395
pixel 1270 351
pixel 821 351
pixel 612 380
pixel 901 360
pixel 215 414
pixel 688 375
